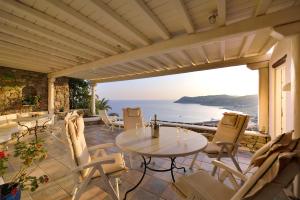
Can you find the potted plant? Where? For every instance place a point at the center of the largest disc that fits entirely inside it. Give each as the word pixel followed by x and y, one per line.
pixel 28 153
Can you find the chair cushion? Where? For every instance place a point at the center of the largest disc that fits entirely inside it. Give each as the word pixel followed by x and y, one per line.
pixel 118 165
pixel 226 133
pixel 202 186
pixel 212 148
pixel 229 119
pixel 133 112
pixel 82 155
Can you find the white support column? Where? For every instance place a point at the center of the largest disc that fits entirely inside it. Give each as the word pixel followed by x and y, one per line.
pixel 51 95
pixel 296 61
pixel 93 108
pixel 263 100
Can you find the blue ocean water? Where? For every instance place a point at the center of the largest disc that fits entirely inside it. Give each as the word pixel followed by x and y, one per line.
pixel 169 111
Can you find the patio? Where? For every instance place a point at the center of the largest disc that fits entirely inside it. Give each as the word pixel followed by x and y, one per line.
pixel 46 43
pixel 155 185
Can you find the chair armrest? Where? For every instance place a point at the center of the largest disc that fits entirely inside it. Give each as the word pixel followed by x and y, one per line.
pixel 229 169
pixel 98 161
pixel 101 146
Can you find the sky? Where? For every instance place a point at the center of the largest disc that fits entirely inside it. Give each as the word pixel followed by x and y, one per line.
pixel 237 81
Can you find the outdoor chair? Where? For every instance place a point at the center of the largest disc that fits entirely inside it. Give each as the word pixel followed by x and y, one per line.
pixel 99 164
pixel 133 118
pixel 226 139
pixel 110 122
pixel 277 163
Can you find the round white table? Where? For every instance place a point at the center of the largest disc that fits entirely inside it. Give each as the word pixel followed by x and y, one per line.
pixel 171 143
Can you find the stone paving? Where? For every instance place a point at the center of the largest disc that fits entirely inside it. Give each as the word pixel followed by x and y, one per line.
pixel 156 185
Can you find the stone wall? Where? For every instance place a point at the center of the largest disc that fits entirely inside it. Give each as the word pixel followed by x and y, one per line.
pixel 13 84
pixel 61 94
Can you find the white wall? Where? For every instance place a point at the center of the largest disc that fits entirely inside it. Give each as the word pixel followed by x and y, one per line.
pixel 283 47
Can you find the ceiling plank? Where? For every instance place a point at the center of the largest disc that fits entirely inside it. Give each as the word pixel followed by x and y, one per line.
pixel 121 22
pixel 90 23
pixel 186 56
pixel 184 16
pixel 221 6
pixel 262 7
pixel 189 41
pixel 64 50
pixel 171 60
pixel 23 66
pixel 201 67
pixel 34 56
pixel 246 44
pixel 203 54
pixel 22 8
pixel 267 45
pixel 9 18
pixel 223 50
pixel 31 45
pixel 153 19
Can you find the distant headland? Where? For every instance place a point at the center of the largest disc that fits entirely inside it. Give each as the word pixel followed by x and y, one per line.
pixel 246 104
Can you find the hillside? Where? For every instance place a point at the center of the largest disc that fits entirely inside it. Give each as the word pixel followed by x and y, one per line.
pixel 246 104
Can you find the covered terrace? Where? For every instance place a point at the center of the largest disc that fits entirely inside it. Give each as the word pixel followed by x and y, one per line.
pixel 112 40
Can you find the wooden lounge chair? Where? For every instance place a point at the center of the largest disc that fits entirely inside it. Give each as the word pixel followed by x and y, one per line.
pixel 99 164
pixel 277 164
pixel 110 122
pixel 226 139
pixel 133 118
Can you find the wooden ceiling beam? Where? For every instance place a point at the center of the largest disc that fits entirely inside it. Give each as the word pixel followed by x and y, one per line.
pixel 190 41
pixel 31 45
pixel 171 60
pixel 221 6
pixel 201 67
pixel 9 18
pixel 246 44
pixel 37 62
pixel 157 25
pixel 184 16
pixel 262 7
pixel 31 52
pixel 90 23
pixel 203 54
pixel 27 55
pixel 93 43
pixel 105 9
pixel 223 50
pixel 63 50
pixel 23 66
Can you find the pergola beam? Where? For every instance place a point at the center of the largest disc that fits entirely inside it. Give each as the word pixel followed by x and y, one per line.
pixel 65 50
pixel 247 42
pixel 262 7
pixel 177 43
pixel 89 23
pixel 157 25
pixel 184 16
pixel 9 18
pixel 91 41
pixel 105 9
pixel 220 64
pixel 221 5
pixel 31 52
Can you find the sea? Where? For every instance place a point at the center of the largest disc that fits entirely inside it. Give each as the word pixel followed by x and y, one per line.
pixel 167 110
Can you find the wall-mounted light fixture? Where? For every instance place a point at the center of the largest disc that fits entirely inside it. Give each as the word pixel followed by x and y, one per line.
pixel 213 17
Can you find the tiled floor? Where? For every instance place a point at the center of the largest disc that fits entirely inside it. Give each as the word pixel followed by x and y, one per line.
pixel 58 165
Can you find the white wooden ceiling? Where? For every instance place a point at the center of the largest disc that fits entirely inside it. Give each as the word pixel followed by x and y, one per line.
pixel 108 40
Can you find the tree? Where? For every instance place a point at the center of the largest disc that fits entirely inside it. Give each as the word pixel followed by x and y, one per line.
pixel 102 104
pixel 79 93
